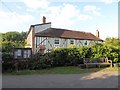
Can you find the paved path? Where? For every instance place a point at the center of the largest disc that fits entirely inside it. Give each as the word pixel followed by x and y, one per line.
pixel 88 80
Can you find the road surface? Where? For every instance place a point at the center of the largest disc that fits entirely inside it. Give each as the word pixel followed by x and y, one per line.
pixel 87 80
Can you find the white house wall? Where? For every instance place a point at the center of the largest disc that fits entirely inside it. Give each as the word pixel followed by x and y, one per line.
pixel 41 27
pixel 49 42
pixel 63 42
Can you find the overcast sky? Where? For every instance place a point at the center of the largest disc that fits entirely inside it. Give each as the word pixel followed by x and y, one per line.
pixel 18 15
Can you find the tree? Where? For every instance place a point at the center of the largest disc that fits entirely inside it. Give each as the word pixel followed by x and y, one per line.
pixel 14 36
pixel 12 40
pixel 112 42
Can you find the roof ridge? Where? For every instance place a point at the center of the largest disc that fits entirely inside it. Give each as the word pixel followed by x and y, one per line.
pixel 70 30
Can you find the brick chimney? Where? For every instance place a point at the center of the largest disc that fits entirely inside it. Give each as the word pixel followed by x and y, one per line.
pixel 97 33
pixel 44 19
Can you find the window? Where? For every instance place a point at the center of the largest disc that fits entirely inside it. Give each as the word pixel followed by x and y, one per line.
pixel 85 42
pixel 56 41
pixel 27 53
pixel 22 53
pixel 17 53
pixel 71 41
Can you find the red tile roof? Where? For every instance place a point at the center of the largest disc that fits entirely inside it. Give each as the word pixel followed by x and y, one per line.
pixel 64 33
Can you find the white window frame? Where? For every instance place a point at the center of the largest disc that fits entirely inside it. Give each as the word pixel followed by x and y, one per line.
pixel 57 40
pixel 73 41
pixel 86 43
pixel 19 52
pixel 29 53
pixel 26 53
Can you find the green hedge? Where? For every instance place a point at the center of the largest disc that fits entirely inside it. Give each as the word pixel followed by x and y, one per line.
pixel 39 61
pixel 63 57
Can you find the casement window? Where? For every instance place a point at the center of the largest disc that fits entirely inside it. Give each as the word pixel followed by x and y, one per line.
pixel 56 41
pixel 18 53
pixel 22 53
pixel 26 53
pixel 85 42
pixel 71 41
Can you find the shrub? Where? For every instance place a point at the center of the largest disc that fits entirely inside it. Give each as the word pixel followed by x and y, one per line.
pixel 7 66
pixel 63 57
pixel 66 56
pixel 8 63
pixel 22 64
pixel 39 61
pixel 73 56
pixel 7 57
pixel 57 57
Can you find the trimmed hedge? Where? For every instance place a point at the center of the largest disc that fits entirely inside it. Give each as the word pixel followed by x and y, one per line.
pixel 71 56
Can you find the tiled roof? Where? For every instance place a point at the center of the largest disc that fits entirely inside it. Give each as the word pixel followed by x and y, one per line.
pixel 64 33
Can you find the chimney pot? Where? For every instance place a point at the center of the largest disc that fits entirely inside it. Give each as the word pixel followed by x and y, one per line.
pixel 97 33
pixel 44 19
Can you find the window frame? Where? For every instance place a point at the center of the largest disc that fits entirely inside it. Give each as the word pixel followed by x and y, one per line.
pixel 58 41
pixel 26 54
pixel 73 41
pixel 85 43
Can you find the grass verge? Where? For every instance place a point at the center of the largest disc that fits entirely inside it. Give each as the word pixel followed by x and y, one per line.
pixel 62 70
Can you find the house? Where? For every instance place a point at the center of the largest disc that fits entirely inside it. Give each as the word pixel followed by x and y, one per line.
pixel 44 38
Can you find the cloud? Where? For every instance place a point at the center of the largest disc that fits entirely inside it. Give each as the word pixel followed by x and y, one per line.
pixel 7 17
pixel 14 21
pixel 36 4
pixel 93 9
pixel 84 17
pixel 19 7
pixel 90 8
pixel 107 1
pixel 65 15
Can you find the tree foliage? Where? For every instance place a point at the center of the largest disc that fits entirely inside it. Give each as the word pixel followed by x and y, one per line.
pixel 14 36
pixel 112 42
pixel 11 40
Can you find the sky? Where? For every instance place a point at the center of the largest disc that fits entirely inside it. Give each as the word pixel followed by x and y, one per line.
pixel 78 15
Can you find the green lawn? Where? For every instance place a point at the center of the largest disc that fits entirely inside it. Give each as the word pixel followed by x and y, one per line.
pixel 61 70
